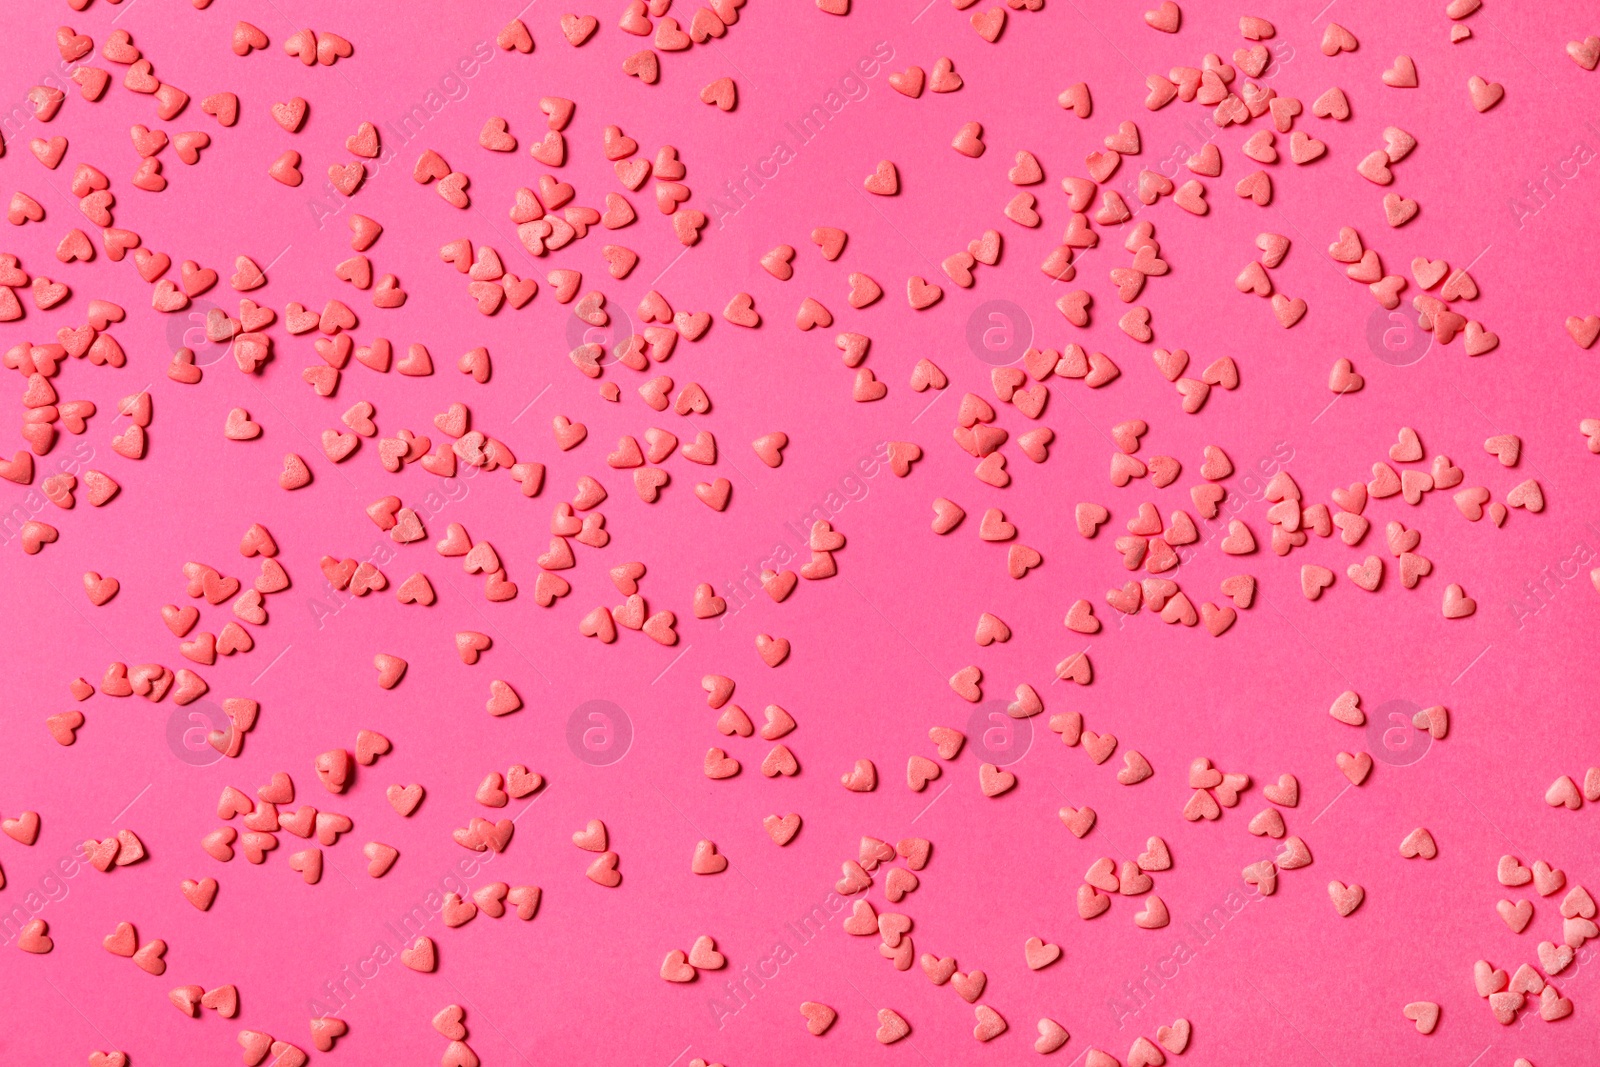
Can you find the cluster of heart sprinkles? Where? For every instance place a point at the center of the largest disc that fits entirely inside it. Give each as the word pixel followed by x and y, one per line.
pixel 339 334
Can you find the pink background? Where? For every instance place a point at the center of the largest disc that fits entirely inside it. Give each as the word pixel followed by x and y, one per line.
pixel 1284 981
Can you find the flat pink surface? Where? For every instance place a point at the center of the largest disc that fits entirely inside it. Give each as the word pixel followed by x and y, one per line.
pixel 1263 980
